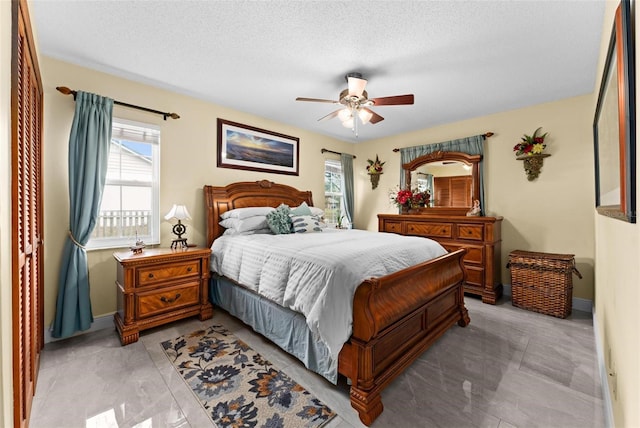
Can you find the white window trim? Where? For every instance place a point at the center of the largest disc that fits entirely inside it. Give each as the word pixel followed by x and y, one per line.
pixel 124 242
pixel 334 224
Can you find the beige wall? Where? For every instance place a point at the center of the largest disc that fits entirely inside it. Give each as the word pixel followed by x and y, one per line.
pixel 6 408
pixel 188 161
pixel 618 287
pixel 551 214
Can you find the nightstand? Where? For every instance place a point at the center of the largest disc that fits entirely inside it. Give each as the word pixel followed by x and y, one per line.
pixel 159 286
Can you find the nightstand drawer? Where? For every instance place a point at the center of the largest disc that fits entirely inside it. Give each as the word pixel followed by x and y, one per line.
pixel 440 230
pixel 173 271
pixel 166 300
pixel 470 231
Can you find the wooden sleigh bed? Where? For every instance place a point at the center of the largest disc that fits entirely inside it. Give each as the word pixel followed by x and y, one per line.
pixel 395 317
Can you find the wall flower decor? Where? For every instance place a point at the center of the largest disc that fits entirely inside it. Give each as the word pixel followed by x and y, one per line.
pixel 531 151
pixel 374 169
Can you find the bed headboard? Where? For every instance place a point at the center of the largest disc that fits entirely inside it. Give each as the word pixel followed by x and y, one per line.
pixel 219 199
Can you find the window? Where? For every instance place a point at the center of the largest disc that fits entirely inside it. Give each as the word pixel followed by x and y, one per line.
pixel 130 201
pixel 332 191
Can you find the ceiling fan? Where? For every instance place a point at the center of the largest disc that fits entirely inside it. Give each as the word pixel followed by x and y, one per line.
pixel 356 103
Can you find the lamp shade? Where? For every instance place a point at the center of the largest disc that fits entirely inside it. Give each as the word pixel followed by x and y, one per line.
pixel 179 212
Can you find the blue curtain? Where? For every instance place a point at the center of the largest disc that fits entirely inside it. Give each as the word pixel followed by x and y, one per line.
pixel 470 145
pixel 346 162
pixel 88 155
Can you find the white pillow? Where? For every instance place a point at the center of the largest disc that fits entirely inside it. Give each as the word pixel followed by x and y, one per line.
pixel 250 223
pixel 318 212
pixel 242 213
pixel 305 224
pixel 248 232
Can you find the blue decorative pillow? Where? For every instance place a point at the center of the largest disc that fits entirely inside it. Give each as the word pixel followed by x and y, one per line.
pixel 302 209
pixel 305 224
pixel 279 221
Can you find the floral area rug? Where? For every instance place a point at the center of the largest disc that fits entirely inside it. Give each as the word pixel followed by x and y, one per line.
pixel 239 388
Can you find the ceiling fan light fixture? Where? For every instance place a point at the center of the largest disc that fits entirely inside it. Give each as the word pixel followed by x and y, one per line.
pixel 365 116
pixel 356 86
pixel 344 114
pixel 348 123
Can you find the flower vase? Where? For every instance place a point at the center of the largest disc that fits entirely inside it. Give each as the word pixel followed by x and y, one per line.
pixel 533 164
pixel 375 179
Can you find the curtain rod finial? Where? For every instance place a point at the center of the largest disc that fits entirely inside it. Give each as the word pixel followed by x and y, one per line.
pixel 64 90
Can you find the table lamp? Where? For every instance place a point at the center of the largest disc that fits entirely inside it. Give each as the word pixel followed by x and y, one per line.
pixel 178 212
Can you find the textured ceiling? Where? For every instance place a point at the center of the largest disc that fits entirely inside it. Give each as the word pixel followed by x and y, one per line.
pixel 461 59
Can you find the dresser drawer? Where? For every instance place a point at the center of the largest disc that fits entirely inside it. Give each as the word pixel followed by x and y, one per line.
pixel 156 302
pixel 475 253
pixel 439 230
pixel 169 271
pixel 475 275
pixel 470 231
pixel 392 226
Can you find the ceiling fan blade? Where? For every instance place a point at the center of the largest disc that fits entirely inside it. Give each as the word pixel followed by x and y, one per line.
pixel 375 117
pixel 316 100
pixel 330 115
pixel 393 101
pixel 356 86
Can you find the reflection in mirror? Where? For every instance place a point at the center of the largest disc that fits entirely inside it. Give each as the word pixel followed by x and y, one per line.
pixel 452 178
pixel 448 182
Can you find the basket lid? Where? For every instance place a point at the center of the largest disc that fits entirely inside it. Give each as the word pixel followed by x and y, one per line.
pixel 538 255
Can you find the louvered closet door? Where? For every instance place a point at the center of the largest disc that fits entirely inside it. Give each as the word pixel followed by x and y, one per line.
pixel 27 215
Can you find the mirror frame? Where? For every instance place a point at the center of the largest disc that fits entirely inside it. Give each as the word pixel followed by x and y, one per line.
pixel 439 156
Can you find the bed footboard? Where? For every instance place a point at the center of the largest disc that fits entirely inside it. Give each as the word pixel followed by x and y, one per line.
pixel 395 319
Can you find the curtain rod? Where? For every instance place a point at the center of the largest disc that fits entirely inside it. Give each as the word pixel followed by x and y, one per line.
pixel 67 91
pixel 335 153
pixel 485 135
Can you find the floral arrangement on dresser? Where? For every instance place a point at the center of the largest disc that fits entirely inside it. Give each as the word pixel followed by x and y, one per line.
pixel 406 198
pixel 531 144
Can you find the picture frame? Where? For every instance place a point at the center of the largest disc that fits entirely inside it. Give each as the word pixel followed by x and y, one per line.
pixel 249 148
pixel 614 129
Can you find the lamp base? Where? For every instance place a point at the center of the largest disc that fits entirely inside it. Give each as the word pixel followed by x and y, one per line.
pixel 179 243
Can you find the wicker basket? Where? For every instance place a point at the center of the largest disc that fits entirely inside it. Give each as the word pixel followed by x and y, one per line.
pixel 542 282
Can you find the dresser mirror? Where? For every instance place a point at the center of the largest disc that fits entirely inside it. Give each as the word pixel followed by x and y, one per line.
pixel 452 178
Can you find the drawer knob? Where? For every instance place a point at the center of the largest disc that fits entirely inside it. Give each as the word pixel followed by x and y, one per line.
pixel 150 275
pixel 165 300
pixel 189 269
pixel 444 231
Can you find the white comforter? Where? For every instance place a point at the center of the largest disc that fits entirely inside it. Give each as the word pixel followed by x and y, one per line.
pixel 317 274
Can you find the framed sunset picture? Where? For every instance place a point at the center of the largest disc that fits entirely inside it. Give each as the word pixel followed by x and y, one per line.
pixel 254 149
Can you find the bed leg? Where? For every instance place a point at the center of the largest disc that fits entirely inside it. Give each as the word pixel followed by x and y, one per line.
pixel 368 405
pixel 464 314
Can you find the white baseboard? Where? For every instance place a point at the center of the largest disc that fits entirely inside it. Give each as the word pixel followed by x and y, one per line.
pixel 99 323
pixel 577 303
pixel 604 376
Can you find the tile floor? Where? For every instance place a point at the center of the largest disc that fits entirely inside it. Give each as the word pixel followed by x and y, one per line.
pixel 508 368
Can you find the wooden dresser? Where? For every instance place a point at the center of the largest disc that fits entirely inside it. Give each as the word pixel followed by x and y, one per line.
pixel 158 286
pixel 479 235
